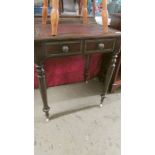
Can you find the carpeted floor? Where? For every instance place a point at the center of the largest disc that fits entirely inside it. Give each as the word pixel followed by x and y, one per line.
pixel 78 126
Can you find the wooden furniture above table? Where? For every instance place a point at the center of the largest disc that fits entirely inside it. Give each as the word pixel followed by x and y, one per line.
pixel 83 3
pixel 73 38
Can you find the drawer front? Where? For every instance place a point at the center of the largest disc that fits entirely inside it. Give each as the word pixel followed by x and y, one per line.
pixel 63 48
pixel 99 45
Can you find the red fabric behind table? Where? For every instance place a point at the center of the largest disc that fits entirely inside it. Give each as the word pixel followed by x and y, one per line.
pixel 64 70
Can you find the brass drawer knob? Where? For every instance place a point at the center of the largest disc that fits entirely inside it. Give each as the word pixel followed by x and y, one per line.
pixel 65 49
pixel 101 46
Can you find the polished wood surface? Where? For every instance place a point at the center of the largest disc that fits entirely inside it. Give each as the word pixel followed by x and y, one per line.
pixel 72 30
pixel 74 39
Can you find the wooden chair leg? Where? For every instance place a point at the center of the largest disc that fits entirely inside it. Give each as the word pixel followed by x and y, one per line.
pixel 104 16
pixel 44 11
pixel 54 17
pixel 84 11
pixel 94 4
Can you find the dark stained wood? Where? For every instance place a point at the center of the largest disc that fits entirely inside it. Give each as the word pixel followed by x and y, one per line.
pixel 42 86
pixel 87 63
pixel 57 48
pixel 74 39
pixel 115 21
pixel 116 78
pixel 72 31
pixel 110 71
pixel 68 19
pixel 100 45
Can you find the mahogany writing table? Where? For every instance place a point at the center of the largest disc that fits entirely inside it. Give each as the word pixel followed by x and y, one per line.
pixel 73 38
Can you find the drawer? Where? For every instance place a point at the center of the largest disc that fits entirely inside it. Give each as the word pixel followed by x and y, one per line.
pixel 99 45
pixel 63 48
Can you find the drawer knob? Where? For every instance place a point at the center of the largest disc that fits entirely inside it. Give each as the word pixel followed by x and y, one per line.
pixel 65 49
pixel 101 46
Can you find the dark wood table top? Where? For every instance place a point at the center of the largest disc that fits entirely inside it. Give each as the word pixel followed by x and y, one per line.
pixel 72 31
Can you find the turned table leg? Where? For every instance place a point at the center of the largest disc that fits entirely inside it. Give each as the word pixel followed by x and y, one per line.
pixel 54 17
pixel 43 91
pixel 86 70
pixel 108 77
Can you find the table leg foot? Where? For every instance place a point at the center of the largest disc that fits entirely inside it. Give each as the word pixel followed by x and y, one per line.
pixel 108 77
pixel 86 81
pixel 102 99
pixel 46 110
pixel 47 116
pixel 101 105
pixel 47 119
